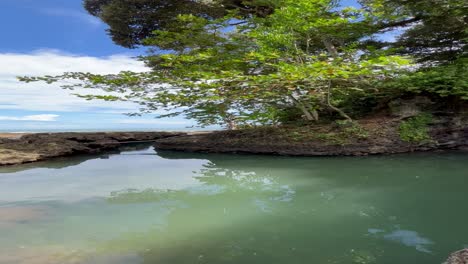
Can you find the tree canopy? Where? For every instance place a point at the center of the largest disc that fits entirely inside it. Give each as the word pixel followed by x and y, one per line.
pixel 275 61
pixel 131 21
pixel 435 30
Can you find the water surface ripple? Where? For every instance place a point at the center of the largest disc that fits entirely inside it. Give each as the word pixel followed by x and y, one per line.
pixel 143 207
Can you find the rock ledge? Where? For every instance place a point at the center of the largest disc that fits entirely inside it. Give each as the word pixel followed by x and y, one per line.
pixel 18 149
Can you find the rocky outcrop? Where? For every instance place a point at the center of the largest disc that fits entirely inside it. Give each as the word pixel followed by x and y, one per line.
pixel 35 147
pixel 377 135
pixel 459 257
pixel 381 136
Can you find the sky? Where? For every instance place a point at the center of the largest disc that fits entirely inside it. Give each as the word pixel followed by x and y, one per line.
pixel 49 37
pixel 52 37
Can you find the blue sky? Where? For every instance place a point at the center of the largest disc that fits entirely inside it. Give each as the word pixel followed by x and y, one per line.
pixel 53 24
pixel 49 37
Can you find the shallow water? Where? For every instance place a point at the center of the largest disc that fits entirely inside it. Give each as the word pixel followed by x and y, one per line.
pixel 167 207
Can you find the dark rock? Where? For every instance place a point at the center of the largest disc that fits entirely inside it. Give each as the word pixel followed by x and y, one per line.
pixel 383 138
pixel 36 147
pixel 404 108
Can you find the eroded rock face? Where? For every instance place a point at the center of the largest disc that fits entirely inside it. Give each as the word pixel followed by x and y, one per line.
pixel 404 108
pixel 11 156
pixel 446 132
pixel 459 257
pixel 36 147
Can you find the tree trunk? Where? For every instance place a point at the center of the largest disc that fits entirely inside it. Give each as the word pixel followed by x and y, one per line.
pixel 315 114
pixel 334 53
pixel 310 116
pixel 334 108
pixel 231 123
pixel 331 48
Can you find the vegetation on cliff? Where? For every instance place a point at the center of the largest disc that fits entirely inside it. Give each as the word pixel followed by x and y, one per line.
pixel 271 62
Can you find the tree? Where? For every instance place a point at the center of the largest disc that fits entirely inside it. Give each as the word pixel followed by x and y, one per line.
pixel 247 69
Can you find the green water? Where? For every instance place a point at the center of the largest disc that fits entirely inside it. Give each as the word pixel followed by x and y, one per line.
pixel 147 207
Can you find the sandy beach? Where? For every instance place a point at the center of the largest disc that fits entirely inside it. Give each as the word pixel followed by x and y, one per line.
pixel 12 135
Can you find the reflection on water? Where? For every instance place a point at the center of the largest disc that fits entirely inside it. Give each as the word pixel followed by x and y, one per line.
pixel 139 207
pixel 63 162
pixel 406 237
pixel 410 239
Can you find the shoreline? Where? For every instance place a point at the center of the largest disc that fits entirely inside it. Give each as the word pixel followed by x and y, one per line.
pixel 377 136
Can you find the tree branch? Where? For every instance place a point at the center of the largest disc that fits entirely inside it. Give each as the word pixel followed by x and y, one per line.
pixel 331 48
pixel 334 108
pixel 399 23
pixel 308 115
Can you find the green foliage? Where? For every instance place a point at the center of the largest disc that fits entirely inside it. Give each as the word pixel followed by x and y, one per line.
pixel 443 81
pixel 436 29
pixel 415 129
pixel 263 62
pixel 132 21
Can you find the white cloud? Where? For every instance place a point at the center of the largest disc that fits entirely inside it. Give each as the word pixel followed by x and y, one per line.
pixel 71 13
pixel 52 62
pixel 15 95
pixel 39 118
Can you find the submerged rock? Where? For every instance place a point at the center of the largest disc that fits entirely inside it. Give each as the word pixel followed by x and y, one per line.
pixel 18 214
pixel 459 257
pixel 47 254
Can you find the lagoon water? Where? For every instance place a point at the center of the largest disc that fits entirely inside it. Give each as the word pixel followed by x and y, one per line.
pixel 140 206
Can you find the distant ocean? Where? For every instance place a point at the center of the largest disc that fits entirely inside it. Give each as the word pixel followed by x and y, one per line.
pixel 102 130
